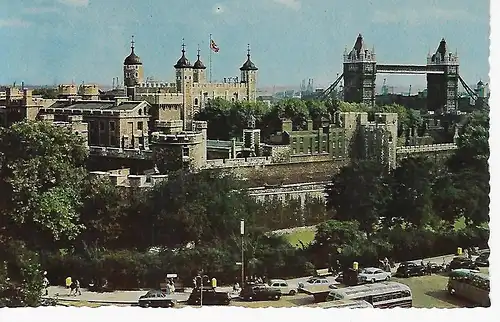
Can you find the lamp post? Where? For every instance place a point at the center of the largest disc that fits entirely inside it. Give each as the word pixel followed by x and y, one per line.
pixel 242 233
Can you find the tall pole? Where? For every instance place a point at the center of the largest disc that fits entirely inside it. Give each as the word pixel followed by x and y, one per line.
pixel 210 59
pixel 242 233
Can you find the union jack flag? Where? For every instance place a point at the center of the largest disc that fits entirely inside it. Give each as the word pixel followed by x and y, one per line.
pixel 214 46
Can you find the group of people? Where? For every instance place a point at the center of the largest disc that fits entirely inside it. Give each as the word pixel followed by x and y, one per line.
pixel 73 286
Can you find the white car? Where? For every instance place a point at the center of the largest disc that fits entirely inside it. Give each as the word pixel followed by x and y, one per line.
pixel 372 275
pixel 283 286
pixel 315 281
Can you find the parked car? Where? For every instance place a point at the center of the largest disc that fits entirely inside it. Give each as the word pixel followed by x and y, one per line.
pixel 435 268
pixel 283 286
pixel 260 292
pixel 373 274
pixel 462 262
pixel 209 297
pixel 407 269
pixel 314 281
pixel 483 260
pixel 157 298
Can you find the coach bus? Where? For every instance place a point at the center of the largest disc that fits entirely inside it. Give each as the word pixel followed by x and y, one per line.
pixel 344 304
pixel 472 286
pixel 379 295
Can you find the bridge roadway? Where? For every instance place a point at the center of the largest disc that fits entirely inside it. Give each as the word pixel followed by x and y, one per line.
pixel 408 69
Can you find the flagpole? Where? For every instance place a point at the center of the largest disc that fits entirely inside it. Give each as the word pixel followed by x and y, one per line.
pixel 210 59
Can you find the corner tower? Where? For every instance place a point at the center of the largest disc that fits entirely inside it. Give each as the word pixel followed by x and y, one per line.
pixel 249 77
pixel 359 74
pixel 442 88
pixel 184 81
pixel 133 72
pixel 199 70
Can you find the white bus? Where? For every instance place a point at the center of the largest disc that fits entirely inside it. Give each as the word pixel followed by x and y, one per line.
pixel 344 304
pixel 379 295
pixel 474 287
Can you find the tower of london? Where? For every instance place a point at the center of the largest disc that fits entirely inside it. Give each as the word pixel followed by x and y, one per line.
pixel 182 99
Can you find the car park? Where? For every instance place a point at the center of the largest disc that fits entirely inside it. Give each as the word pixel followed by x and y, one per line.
pixel 373 274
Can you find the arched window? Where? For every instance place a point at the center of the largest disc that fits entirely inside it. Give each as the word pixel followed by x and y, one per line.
pixel 196 101
pixel 140 111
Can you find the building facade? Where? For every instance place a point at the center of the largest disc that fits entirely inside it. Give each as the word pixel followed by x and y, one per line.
pixel 191 91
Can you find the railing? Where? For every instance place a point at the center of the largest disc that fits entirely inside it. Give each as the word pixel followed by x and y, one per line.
pixel 426 148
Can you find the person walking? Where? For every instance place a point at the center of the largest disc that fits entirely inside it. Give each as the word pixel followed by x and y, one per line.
pixel 46 283
pixel 77 287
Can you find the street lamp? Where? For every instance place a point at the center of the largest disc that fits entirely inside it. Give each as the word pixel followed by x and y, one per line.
pixel 242 232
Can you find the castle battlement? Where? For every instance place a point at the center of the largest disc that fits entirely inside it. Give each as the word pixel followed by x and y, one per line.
pixel 178 138
pixel 169 124
pixel 220 85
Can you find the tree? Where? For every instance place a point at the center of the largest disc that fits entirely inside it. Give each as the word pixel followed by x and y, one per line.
pixel 46 92
pixel 290 108
pixel 199 208
pixel 41 169
pixel 360 192
pixel 412 191
pixel 102 213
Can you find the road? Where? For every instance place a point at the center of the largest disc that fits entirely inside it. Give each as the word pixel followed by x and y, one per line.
pixel 131 297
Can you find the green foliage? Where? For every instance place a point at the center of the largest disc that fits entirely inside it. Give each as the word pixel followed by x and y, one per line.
pixel 21 279
pixel 412 191
pixel 41 167
pixel 360 192
pixel 198 207
pixel 46 92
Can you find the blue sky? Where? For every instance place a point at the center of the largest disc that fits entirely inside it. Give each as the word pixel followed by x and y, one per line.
pixel 58 41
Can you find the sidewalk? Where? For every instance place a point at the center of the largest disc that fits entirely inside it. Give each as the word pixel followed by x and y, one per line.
pixel 116 297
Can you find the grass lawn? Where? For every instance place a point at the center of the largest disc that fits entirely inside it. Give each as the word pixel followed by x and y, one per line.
pixel 304 235
pixel 80 304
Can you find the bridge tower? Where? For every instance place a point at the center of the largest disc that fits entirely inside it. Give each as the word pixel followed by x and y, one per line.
pixel 359 74
pixel 442 89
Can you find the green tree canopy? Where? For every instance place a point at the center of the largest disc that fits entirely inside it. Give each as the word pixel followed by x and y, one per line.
pixel 361 192
pixel 41 167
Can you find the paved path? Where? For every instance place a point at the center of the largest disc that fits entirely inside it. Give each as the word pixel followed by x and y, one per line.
pixel 131 297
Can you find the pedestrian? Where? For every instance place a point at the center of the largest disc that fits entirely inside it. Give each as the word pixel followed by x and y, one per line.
pixel 68 282
pixel 195 284
pixel 72 287
pixel 77 287
pixel 46 283
pixel 466 253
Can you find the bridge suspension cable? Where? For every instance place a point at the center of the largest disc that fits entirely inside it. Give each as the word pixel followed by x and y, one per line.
pixel 330 89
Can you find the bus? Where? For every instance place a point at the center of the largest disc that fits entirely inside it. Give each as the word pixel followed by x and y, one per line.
pixel 344 304
pixel 379 295
pixel 472 286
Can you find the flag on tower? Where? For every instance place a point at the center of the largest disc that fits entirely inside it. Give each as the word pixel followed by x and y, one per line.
pixel 214 46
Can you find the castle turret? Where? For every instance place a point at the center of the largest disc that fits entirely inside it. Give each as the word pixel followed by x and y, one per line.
pixel 199 70
pixel 184 81
pixel 249 76
pixel 133 72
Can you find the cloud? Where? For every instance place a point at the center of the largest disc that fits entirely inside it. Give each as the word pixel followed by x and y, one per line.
pixel 413 17
pixel 75 3
pixel 40 10
pixel 13 23
pixel 292 4
pixel 218 9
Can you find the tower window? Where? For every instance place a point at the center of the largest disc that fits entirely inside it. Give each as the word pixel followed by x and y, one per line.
pixel 136 74
pixel 196 101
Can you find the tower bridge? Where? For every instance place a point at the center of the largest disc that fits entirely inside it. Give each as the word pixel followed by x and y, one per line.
pixel 442 71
